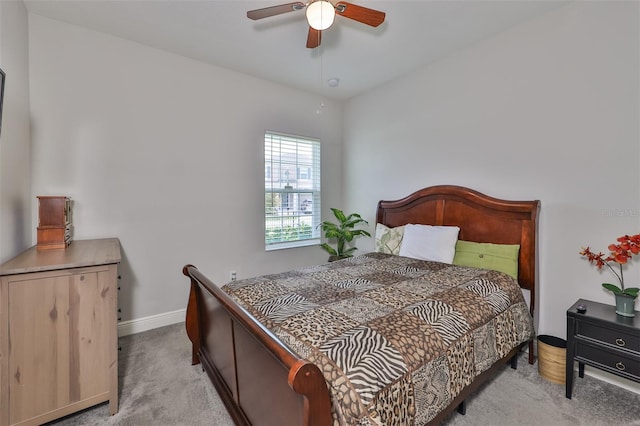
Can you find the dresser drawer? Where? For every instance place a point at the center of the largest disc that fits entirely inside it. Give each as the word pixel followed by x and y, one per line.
pixel 607 335
pixel 609 359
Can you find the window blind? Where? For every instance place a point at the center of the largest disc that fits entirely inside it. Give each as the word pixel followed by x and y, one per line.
pixel 292 191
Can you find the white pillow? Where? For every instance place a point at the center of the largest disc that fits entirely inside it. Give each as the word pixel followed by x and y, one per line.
pixel 427 242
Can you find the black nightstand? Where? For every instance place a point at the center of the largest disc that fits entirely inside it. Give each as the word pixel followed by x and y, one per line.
pixel 602 339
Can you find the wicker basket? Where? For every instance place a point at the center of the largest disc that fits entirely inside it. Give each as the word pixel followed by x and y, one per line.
pixel 552 358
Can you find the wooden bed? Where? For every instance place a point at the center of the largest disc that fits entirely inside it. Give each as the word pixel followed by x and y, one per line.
pixel 246 361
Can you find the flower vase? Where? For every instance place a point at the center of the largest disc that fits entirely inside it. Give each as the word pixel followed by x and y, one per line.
pixel 625 305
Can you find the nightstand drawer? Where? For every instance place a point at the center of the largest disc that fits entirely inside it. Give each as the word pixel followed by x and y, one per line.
pixel 614 360
pixel 607 335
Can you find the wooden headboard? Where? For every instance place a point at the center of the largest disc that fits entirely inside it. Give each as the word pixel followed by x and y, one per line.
pixel 481 219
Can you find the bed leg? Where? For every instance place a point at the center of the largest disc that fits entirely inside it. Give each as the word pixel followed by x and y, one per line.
pixel 532 357
pixel 462 407
pixel 514 361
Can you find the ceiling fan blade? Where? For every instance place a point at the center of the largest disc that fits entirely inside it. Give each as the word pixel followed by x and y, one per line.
pixel 274 10
pixel 361 14
pixel 313 38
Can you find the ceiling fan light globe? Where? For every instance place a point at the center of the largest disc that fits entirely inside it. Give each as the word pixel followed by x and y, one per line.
pixel 320 15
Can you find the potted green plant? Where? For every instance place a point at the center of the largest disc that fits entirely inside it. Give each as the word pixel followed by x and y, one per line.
pixel 620 254
pixel 342 233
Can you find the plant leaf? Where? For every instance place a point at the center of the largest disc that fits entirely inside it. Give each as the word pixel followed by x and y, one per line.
pixel 612 287
pixel 339 215
pixel 328 226
pixel 631 291
pixel 360 232
pixel 353 220
pixel 329 249
pixel 332 233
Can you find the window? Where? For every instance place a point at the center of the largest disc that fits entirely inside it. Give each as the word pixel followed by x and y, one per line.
pixel 291 191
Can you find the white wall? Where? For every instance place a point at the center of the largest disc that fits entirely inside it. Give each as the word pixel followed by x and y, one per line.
pixel 15 144
pixel 548 110
pixel 165 153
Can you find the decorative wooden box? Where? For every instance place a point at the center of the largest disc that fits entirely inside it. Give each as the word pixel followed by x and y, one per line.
pixel 54 222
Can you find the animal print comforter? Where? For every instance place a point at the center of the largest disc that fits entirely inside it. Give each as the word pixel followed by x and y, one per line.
pixel 396 338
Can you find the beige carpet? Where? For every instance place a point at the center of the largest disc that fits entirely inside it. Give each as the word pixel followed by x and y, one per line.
pixel 160 387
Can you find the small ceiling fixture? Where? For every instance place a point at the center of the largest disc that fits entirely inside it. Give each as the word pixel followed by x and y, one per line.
pixel 320 15
pixel 333 82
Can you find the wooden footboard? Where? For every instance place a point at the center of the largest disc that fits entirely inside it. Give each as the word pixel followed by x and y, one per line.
pixel 259 380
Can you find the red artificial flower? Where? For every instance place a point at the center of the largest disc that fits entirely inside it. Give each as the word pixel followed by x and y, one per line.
pixel 619 253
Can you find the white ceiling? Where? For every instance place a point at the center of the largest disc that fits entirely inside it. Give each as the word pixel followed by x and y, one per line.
pixel 415 33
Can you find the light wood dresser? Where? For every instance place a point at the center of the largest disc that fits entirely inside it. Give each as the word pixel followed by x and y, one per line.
pixel 58 331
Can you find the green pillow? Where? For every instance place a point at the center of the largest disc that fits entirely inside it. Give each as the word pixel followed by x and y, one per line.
pixel 497 257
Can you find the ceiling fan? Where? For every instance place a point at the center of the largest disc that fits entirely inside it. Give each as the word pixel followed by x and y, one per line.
pixel 320 15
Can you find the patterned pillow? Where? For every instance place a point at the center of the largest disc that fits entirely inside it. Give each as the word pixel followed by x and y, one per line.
pixel 389 240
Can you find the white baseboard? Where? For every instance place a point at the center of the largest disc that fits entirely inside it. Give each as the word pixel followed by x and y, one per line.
pixel 139 325
pixel 609 378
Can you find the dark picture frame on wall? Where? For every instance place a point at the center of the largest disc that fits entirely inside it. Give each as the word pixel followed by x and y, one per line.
pixel 2 76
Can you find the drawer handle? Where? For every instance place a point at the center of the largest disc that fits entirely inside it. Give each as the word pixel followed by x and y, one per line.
pixel 620 366
pixel 620 342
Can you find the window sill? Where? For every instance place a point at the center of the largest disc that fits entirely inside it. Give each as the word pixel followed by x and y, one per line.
pixel 292 244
